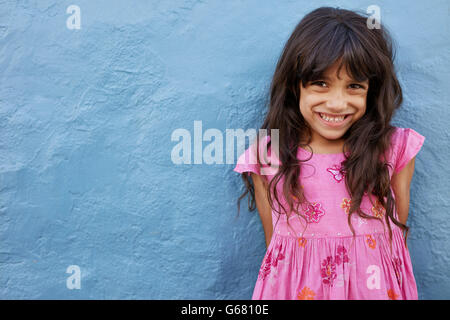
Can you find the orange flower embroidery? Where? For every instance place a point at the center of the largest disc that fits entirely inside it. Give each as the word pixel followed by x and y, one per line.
pixel 378 210
pixel 392 295
pixel 306 294
pixel 371 242
pixel 302 242
pixel 346 205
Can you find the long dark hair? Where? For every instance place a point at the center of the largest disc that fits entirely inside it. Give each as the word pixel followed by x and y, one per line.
pixel 323 37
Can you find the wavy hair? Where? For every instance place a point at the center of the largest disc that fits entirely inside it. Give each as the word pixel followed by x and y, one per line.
pixel 323 37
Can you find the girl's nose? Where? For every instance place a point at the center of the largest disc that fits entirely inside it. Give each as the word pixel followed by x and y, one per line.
pixel 336 102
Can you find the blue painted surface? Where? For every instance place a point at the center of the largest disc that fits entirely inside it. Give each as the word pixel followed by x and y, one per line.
pixel 86 117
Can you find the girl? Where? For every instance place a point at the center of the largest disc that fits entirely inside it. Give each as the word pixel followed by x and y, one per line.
pixel 332 98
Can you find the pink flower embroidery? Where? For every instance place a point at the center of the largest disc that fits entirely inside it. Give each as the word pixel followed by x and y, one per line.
pixel 278 254
pixel 341 256
pixel 270 261
pixel 328 271
pixel 314 212
pixel 265 268
pixel 337 172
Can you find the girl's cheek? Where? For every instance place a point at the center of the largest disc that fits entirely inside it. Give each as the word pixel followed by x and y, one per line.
pixel 359 101
pixel 361 97
pixel 311 100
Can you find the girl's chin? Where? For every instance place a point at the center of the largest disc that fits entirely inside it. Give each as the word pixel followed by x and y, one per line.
pixel 332 136
pixel 330 133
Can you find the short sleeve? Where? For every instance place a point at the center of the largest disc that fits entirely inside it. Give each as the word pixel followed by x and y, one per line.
pixel 248 162
pixel 407 143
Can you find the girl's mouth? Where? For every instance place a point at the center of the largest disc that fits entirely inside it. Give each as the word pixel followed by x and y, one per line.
pixel 333 121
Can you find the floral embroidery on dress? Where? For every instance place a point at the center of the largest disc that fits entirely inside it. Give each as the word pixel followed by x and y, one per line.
pixel 306 294
pixel 378 210
pixel 279 256
pixel 265 268
pixel 270 261
pixel 341 256
pixel 302 242
pixel 371 242
pixel 337 172
pixel 345 204
pixel 392 295
pixel 328 270
pixel 314 212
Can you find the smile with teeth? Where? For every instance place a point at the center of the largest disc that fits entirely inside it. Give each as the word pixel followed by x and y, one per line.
pixel 332 119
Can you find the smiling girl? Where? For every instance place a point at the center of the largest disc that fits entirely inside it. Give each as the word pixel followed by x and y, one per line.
pixel 334 213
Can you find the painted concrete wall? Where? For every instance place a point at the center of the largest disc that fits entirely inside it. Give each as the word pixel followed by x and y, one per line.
pixel 86 117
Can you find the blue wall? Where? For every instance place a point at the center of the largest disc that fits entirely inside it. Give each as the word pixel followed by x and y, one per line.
pixel 86 118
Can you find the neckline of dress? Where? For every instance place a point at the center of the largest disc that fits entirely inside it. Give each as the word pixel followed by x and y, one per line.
pixel 320 154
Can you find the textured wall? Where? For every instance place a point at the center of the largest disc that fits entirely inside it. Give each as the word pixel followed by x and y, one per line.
pixel 86 117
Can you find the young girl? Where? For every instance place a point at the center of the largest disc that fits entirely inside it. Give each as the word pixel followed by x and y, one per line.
pixel 332 98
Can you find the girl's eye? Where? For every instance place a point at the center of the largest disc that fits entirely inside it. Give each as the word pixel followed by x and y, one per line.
pixel 322 84
pixel 319 83
pixel 358 86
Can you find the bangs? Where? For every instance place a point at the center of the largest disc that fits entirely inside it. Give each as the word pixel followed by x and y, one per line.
pixel 336 44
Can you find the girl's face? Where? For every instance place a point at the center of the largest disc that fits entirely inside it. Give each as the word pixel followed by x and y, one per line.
pixel 331 105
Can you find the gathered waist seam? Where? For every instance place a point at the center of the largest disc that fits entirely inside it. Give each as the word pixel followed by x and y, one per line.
pixel 312 236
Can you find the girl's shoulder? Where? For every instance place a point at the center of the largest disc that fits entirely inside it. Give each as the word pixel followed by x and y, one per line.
pixel 248 160
pixel 405 145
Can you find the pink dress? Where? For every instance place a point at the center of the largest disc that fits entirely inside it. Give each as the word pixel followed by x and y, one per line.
pixel 325 261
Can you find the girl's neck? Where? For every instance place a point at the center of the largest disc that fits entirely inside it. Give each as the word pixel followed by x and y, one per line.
pixel 325 146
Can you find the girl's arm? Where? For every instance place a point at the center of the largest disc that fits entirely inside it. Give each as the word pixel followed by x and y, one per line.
pixel 262 203
pixel 400 183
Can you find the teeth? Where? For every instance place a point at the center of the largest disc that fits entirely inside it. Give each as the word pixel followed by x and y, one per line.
pixel 332 119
